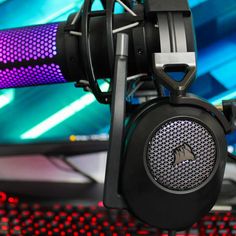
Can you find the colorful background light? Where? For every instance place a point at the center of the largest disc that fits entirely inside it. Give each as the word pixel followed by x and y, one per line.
pixel 29 108
pixel 35 46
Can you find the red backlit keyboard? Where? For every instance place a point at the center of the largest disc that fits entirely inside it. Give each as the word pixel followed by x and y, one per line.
pixel 20 218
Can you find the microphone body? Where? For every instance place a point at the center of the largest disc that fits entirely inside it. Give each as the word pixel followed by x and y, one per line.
pixel 30 56
pixel 50 54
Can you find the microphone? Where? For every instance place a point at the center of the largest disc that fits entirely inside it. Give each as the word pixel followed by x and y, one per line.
pixel 60 52
pixel 34 55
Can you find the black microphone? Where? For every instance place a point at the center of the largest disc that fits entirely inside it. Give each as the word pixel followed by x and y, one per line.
pixel 53 53
pixel 59 52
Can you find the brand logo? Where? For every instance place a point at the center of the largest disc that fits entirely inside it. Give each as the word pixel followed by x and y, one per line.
pixel 183 153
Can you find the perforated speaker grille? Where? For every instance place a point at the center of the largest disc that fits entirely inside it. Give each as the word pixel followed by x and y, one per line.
pixel 28 43
pixel 181 155
pixel 28 56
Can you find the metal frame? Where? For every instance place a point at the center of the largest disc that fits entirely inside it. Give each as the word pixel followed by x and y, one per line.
pixel 88 65
pixel 174 55
pixel 118 110
pixel 84 15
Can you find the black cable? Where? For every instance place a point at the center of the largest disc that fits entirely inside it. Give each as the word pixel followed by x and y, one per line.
pixel 72 168
pixel 132 91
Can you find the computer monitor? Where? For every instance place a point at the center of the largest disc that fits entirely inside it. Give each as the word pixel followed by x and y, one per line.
pixel 48 118
pixel 37 117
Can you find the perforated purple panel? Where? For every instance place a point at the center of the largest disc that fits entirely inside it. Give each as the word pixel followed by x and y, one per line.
pixel 28 56
pixel 30 76
pixel 35 42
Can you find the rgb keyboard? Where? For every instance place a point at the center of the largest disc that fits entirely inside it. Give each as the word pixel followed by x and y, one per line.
pixel 22 218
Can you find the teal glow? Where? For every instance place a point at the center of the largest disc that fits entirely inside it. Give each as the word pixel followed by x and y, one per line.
pixel 216 55
pixel 57 14
pixel 226 74
pixel 61 115
pixel 7 97
pixel 118 8
pixel 194 3
pixel 97 6
pixel 225 96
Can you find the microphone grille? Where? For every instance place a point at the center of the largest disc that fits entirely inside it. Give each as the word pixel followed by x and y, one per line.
pixel 28 56
pixel 28 43
pixel 181 155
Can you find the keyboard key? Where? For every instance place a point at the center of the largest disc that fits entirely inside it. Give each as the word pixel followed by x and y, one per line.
pixel 35 219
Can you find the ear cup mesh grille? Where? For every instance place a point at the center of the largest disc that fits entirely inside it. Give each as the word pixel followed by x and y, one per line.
pixel 181 155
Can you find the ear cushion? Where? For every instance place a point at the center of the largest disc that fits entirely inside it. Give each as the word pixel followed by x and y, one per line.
pixel 174 162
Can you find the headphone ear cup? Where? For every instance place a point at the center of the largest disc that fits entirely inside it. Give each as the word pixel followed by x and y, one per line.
pixel 174 164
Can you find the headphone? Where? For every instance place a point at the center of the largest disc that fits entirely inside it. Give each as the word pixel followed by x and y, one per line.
pixel 173 162
pixel 167 157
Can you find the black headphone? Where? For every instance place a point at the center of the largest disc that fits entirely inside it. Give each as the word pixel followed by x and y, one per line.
pixel 173 162
pixel 167 158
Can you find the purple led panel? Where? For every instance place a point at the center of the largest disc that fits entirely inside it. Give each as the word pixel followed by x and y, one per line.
pixel 35 42
pixel 30 76
pixel 28 56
